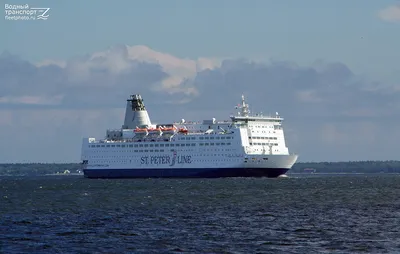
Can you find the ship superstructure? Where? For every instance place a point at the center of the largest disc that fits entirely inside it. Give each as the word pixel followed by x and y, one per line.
pixel 244 146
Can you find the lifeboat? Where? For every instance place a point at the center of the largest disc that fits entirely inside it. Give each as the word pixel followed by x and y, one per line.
pixel 140 130
pixel 169 130
pixel 183 130
pixel 155 131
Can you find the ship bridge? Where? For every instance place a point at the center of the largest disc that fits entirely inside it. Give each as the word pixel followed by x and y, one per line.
pixel 243 116
pixel 260 133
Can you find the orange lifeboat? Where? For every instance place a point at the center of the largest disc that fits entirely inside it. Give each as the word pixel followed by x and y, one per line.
pixel 155 131
pixel 183 130
pixel 168 129
pixel 140 130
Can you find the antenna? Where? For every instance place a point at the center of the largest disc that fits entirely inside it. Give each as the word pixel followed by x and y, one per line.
pixel 244 107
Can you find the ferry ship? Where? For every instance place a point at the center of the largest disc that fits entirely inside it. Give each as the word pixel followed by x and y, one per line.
pixel 247 145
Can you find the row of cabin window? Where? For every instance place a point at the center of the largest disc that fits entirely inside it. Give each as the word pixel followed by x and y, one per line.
pixel 263 144
pixel 265 126
pixel 202 138
pixel 141 151
pixel 145 145
pixel 155 150
pixel 217 144
pixel 160 145
pixel 197 160
pixel 275 138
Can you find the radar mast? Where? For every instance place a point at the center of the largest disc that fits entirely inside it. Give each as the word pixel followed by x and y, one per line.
pixel 244 108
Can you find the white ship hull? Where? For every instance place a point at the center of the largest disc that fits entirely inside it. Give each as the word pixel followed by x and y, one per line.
pixel 211 149
pixel 255 166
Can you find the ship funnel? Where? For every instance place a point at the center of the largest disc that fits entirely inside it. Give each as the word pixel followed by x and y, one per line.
pixel 136 113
